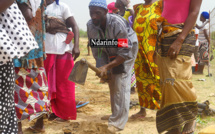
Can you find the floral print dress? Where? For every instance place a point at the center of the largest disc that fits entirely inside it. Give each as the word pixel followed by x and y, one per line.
pixel 146 70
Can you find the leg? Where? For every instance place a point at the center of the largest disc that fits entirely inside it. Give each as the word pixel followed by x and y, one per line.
pixel 64 104
pixel 39 125
pixel 52 116
pixel 8 119
pixel 20 128
pixel 174 131
pixel 140 114
pixel 189 127
pixel 120 97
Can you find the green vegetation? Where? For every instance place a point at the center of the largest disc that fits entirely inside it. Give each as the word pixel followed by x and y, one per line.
pixel 82 33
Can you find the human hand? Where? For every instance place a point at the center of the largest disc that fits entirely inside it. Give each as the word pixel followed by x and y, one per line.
pixel 174 49
pixel 103 72
pixel 75 53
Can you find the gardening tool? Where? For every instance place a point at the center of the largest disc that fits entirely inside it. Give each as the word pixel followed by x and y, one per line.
pixel 79 72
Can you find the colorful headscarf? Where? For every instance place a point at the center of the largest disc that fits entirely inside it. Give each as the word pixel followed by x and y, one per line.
pixel 205 15
pixel 98 3
pixel 111 7
pixel 57 2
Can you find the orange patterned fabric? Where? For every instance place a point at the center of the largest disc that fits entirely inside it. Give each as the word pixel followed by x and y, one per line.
pixel 147 74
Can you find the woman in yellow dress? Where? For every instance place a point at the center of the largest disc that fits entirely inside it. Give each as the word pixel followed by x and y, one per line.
pixel 146 70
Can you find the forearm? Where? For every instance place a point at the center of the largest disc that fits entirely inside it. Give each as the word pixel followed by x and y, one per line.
pixel 117 61
pixel 197 26
pixel 188 26
pixel 191 19
pixel 4 4
pixel 70 22
pixel 75 29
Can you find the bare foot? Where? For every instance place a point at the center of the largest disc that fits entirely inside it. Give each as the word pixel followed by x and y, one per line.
pixel 140 114
pixel 106 117
pixel 35 130
pixel 113 129
pixel 52 116
pixel 174 131
pixel 189 127
pixel 38 126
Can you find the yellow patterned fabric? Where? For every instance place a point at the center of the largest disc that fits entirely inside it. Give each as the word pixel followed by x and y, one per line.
pixel 146 70
pixel 127 14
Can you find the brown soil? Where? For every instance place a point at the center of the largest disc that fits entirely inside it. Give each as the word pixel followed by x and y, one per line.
pixel 88 118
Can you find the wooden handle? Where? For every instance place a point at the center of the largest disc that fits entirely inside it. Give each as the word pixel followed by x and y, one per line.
pixel 95 69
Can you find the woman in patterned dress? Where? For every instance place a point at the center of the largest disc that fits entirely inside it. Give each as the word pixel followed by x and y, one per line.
pixel 146 70
pixel 16 41
pixel 31 90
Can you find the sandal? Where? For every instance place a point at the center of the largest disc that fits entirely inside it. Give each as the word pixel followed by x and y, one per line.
pixel 81 104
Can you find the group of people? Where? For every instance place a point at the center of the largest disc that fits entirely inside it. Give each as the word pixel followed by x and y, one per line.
pixel 40 42
pixel 166 40
pixel 37 55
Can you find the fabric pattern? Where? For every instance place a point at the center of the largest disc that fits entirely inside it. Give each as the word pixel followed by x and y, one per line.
pixel 146 70
pixel 98 3
pixel 203 53
pixel 133 78
pixel 16 38
pixel 183 113
pixel 178 104
pixel 187 48
pixel 8 120
pixel 31 93
pixel 34 58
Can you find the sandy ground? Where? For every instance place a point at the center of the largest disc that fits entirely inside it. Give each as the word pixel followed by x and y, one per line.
pixel 88 118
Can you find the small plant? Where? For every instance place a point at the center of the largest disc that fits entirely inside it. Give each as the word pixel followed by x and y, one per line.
pixel 82 33
pixel 200 121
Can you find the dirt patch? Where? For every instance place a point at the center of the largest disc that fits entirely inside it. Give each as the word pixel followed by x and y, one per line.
pixel 89 117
